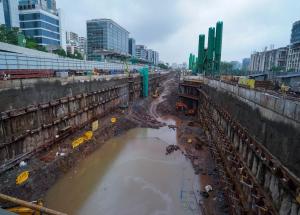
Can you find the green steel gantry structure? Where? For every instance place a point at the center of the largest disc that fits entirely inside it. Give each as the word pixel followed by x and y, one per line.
pixel 208 60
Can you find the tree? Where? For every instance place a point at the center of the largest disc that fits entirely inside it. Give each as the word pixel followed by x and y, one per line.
pixel 32 44
pixel 225 68
pixel 60 52
pixel 163 66
pixel 76 55
pixel 9 35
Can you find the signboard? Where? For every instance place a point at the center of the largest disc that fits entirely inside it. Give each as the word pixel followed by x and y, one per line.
pixel 22 177
pixel 95 125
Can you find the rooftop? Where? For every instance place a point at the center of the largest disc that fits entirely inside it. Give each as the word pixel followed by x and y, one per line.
pixel 107 20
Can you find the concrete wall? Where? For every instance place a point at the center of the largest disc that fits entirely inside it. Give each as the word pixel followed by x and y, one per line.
pixel 275 108
pixel 56 110
pixel 279 185
pixel 30 82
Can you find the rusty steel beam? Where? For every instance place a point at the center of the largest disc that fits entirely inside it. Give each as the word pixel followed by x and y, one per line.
pixel 35 207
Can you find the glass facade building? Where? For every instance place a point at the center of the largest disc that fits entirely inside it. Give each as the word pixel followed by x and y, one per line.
pixel 9 14
pixel 131 47
pixel 40 22
pixel 105 36
pixel 2 19
pixel 295 36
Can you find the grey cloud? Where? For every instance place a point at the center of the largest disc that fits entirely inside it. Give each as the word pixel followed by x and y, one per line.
pixel 172 26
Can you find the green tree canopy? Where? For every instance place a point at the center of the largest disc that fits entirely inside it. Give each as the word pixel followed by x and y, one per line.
pixel 9 35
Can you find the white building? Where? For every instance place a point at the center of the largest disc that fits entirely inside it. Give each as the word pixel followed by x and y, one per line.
pixel 268 60
pixel 141 52
pixel 83 46
pixel 150 55
pixel 75 43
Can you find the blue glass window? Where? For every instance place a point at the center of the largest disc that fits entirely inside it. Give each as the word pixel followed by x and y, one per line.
pixel 35 16
pixel 41 32
pixel 47 41
pixel 39 24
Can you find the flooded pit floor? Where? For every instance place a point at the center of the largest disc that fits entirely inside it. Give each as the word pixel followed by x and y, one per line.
pixel 129 175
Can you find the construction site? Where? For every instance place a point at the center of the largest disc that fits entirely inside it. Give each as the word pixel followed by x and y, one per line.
pixel 152 142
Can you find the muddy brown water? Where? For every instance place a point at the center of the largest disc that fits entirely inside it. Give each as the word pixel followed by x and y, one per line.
pixel 130 175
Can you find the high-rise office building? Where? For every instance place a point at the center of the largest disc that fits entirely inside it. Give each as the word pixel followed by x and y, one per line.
pixel 2 19
pixel 131 47
pixel 51 4
pixel 104 36
pixel 293 59
pixel 40 22
pixel 9 15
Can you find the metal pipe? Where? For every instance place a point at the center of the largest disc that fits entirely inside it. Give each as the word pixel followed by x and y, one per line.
pixel 29 205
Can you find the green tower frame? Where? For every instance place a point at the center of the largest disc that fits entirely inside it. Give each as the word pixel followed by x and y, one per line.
pixel 218 46
pixel 201 53
pixel 210 50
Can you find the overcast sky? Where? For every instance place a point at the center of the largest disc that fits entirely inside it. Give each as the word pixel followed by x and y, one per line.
pixel 172 26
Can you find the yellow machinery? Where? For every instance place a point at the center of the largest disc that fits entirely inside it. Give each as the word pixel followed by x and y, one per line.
pixel 247 82
pixel 284 88
pixel 27 208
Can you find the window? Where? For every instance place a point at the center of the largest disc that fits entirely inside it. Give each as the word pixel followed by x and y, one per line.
pixel 39 24
pixel 35 16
